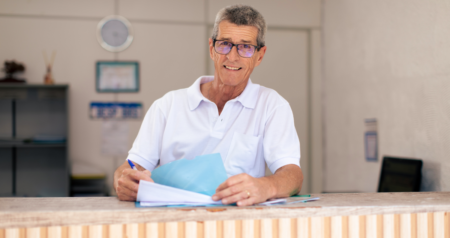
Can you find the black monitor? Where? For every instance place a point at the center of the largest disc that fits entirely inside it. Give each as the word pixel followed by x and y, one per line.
pixel 400 175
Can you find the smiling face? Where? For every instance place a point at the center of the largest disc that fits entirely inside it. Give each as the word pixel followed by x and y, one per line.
pixel 232 69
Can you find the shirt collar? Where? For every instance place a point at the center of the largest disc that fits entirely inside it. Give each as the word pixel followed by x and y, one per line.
pixel 248 97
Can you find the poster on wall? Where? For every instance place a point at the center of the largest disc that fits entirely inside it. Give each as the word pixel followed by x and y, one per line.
pixel 115 110
pixel 371 139
pixel 115 126
pixel 114 139
pixel 117 76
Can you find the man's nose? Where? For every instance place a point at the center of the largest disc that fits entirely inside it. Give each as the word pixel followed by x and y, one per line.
pixel 233 55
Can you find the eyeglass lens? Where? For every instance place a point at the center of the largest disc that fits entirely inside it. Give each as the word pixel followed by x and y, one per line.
pixel 244 50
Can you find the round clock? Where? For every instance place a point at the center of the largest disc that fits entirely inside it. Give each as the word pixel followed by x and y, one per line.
pixel 114 33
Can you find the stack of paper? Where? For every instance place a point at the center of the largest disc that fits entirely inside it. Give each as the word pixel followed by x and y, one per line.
pixel 153 195
pixel 184 182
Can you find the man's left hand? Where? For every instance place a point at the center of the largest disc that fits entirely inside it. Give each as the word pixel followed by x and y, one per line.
pixel 244 190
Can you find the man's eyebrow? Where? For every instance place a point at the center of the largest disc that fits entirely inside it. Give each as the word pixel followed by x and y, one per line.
pixel 240 42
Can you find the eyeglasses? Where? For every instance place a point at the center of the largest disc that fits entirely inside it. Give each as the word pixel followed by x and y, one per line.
pixel 244 50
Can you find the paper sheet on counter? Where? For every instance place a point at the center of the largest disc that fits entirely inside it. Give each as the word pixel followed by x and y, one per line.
pixel 153 194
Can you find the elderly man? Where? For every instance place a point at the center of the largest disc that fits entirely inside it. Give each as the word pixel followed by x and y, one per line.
pixel 248 124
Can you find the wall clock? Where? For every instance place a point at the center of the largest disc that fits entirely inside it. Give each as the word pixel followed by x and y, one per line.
pixel 114 33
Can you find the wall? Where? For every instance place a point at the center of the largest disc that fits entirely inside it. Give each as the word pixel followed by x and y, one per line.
pixel 30 26
pixel 387 60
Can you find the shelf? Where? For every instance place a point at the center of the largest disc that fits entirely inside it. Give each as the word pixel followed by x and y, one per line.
pixel 36 167
pixel 24 85
pixel 21 144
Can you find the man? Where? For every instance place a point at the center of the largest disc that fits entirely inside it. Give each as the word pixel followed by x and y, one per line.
pixel 248 124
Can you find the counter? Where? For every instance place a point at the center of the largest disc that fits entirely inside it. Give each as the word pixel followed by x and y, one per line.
pixel 334 215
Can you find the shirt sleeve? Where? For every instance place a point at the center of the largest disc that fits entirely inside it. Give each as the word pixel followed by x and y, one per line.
pixel 146 148
pixel 281 143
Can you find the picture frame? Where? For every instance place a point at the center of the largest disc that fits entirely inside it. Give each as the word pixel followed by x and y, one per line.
pixel 117 76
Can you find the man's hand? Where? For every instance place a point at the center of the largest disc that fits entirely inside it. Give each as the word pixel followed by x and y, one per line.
pixel 246 190
pixel 126 181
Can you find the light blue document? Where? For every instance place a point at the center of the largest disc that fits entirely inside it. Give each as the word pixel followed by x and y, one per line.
pixel 203 174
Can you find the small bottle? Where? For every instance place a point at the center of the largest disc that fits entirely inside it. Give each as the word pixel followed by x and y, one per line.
pixel 48 78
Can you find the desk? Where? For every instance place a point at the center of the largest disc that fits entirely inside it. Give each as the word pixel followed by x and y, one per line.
pixel 335 215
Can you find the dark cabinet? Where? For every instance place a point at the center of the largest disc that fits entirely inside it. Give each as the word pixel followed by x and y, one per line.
pixel 33 140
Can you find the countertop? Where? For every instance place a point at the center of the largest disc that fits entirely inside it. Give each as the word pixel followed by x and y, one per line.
pixel 66 211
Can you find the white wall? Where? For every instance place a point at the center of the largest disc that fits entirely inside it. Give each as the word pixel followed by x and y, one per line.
pixel 388 60
pixel 30 26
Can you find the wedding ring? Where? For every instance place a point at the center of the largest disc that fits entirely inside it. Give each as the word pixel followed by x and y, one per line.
pixel 248 194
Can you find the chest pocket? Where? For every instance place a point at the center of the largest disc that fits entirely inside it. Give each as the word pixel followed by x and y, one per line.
pixel 242 154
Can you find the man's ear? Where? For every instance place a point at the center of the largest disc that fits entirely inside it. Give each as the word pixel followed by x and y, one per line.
pixel 211 49
pixel 260 55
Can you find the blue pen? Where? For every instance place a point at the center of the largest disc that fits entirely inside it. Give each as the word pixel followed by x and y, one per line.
pixel 131 164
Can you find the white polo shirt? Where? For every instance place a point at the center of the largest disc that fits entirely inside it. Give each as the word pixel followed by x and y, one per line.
pixel 255 127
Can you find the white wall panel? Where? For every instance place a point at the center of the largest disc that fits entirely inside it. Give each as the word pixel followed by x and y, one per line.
pixel 163 10
pixel 285 69
pixel 74 8
pixel 316 113
pixel 286 13
pixel 165 64
pixel 390 62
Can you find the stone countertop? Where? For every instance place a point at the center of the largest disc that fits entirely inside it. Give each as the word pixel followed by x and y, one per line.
pixel 66 211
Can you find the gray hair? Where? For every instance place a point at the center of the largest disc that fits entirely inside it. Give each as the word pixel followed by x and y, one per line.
pixel 242 15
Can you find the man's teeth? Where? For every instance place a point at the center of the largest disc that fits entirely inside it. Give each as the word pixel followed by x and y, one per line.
pixel 232 68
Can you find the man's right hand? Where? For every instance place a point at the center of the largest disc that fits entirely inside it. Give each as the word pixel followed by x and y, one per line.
pixel 126 181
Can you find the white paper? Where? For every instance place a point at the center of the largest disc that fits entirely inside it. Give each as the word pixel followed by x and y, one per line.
pixel 161 204
pixel 160 195
pixel 274 201
pixel 305 200
pixel 157 195
pixel 115 137
pixel 117 77
pixel 371 139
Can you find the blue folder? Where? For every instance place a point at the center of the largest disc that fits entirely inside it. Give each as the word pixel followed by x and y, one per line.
pixel 203 174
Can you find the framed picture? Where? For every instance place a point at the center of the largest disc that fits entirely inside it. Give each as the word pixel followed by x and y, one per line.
pixel 117 76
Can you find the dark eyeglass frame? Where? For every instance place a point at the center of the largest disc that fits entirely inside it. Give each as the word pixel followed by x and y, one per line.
pixel 257 48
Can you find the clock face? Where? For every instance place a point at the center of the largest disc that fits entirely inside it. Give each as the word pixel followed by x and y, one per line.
pixel 114 33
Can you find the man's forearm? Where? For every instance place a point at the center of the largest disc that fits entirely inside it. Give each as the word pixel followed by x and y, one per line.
pixel 286 181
